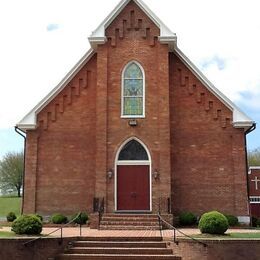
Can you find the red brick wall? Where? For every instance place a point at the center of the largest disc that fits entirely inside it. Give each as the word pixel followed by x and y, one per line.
pixel 60 154
pixel 132 36
pixel 42 249
pixel 208 156
pixel 13 249
pixel 199 155
pixel 217 249
pixel 255 206
pixel 254 173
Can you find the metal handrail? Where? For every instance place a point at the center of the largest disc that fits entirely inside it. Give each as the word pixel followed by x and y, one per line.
pixel 61 233
pixel 101 210
pixel 160 220
pixel 163 204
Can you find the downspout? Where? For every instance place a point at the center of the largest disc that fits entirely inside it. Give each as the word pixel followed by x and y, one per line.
pixel 249 130
pixel 23 134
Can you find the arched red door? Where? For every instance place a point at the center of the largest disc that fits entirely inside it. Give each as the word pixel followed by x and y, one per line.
pixel 133 178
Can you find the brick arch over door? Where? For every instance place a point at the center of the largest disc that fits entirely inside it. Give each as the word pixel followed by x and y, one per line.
pixel 133 177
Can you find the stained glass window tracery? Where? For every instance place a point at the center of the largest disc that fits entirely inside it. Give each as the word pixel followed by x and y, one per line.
pixel 133 150
pixel 133 91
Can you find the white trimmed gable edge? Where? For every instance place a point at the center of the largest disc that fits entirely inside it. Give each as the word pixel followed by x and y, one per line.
pixel 240 119
pixel 98 35
pixel 29 120
pixel 253 168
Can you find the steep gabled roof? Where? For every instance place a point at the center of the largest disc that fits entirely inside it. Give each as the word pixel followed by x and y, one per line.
pixel 240 119
pixel 166 35
pixel 29 120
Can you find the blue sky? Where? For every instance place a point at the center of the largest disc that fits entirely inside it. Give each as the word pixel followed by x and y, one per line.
pixel 42 40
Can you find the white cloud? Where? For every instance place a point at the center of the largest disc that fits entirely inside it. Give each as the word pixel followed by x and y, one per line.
pixel 33 59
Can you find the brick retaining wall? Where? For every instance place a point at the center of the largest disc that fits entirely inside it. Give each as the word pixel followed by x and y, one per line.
pixel 218 249
pixel 47 248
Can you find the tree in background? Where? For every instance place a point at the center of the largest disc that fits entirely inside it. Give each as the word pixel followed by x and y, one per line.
pixel 11 171
pixel 254 157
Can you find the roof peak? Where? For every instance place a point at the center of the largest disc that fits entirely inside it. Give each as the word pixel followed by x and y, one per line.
pixel 98 35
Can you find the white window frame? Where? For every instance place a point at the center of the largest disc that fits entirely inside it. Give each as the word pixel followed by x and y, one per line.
pixel 122 91
pixel 254 199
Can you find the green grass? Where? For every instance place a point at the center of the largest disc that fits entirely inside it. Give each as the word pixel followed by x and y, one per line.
pixel 244 235
pixel 6 234
pixel 8 204
pixel 250 235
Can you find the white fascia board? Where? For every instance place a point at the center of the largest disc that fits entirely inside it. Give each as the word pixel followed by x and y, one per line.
pixel 29 121
pixel 98 36
pixel 240 119
pixel 253 168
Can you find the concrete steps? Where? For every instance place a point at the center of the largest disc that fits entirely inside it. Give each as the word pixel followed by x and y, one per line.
pixel 119 248
pixel 129 222
pixel 120 257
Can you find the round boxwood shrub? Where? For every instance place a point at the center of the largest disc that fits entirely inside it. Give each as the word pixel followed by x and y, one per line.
pixel 27 224
pixel 254 221
pixel 187 218
pixel 213 222
pixel 258 222
pixel 58 219
pixel 232 220
pixel 39 216
pixel 81 219
pixel 10 217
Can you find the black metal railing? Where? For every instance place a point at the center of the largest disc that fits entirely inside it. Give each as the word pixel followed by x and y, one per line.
pixel 162 221
pixel 164 205
pixel 101 210
pixel 99 207
pixel 57 229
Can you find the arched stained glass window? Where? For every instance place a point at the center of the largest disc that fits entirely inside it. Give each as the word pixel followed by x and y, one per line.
pixel 133 150
pixel 133 91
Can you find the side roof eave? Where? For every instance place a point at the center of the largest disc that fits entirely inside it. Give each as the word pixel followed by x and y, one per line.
pixel 253 168
pixel 240 119
pixel 29 121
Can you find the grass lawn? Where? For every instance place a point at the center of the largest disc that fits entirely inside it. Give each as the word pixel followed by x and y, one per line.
pixel 249 235
pixel 8 204
pixel 6 234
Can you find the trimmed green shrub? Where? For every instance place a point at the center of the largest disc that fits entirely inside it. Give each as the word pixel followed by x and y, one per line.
pixel 39 216
pixel 187 219
pixel 258 222
pixel 232 220
pixel 254 221
pixel 58 219
pixel 27 224
pixel 81 219
pixel 213 222
pixel 10 217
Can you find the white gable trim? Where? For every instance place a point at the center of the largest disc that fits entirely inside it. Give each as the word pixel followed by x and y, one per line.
pixel 240 119
pixel 29 121
pixel 253 168
pixel 166 35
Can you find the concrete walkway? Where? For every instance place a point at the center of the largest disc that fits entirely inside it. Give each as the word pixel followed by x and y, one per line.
pixel 86 231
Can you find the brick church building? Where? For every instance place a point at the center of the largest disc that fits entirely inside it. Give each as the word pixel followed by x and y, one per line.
pixel 136 123
pixel 254 190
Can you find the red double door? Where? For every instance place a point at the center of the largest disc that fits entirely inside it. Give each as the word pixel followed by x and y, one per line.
pixel 133 188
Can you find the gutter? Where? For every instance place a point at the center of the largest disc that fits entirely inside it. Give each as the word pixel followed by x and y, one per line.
pixel 249 130
pixel 23 134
